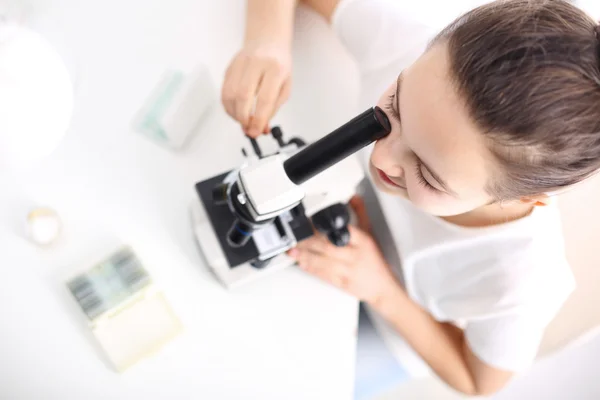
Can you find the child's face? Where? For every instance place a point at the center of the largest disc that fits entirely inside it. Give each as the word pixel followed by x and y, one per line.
pixel 434 156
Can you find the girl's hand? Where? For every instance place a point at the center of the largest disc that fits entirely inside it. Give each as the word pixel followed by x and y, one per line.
pixel 358 268
pixel 257 83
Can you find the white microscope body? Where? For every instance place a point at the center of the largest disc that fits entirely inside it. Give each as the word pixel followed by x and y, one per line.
pixel 336 185
pixel 248 218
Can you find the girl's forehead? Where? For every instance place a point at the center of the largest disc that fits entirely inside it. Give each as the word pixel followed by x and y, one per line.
pixel 437 125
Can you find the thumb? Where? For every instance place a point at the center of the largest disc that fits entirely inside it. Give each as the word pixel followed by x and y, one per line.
pixel 358 206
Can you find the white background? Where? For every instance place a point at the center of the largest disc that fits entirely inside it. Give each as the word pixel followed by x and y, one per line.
pixel 287 336
pixel 111 185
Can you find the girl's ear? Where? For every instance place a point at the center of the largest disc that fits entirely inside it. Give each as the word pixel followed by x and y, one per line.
pixel 538 201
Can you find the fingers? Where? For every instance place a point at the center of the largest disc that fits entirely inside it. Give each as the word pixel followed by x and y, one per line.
pixel 242 80
pixel 358 206
pixel 359 237
pixel 322 266
pixel 228 93
pixel 246 94
pixel 266 100
pixel 320 244
pixel 284 94
pixel 256 84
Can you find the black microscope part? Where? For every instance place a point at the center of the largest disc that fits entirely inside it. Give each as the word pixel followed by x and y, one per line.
pixel 219 193
pixel 239 234
pixel 256 147
pixel 339 238
pixel 297 141
pixel 333 222
pixel 222 219
pixel 243 226
pixel 359 132
pixel 278 136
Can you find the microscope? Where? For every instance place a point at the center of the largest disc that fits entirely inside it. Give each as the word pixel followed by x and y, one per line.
pixel 246 219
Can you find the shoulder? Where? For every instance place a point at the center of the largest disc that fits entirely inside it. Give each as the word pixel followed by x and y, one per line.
pixel 518 275
pixel 505 301
pixel 380 33
pixel 520 264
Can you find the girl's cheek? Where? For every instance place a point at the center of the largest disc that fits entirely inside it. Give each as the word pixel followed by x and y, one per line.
pixel 417 194
pixel 435 204
pixel 420 199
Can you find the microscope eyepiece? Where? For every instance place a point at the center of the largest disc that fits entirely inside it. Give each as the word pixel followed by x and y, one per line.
pixel 359 132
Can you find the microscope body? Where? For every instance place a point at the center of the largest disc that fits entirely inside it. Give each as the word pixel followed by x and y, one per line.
pixel 265 253
pixel 246 219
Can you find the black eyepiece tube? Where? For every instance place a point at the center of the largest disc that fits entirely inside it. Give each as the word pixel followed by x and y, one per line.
pixel 346 140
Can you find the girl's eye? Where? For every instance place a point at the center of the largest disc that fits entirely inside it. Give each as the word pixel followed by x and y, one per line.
pixel 422 181
pixel 390 107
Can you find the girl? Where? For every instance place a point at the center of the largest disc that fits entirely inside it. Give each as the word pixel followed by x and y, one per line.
pixel 501 111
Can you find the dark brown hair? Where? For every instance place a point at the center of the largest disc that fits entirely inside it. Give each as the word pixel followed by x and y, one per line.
pixel 529 72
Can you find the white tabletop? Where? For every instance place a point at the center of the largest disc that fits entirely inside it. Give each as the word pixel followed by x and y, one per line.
pixel 286 336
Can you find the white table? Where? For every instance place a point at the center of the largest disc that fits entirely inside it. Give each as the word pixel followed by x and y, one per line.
pixel 287 336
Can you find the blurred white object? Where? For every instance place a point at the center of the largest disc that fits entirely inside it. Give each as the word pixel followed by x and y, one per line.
pixel 176 107
pixel 36 97
pixel 17 11
pixel 43 225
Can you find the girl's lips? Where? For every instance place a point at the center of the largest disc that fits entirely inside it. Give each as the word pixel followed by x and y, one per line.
pixel 383 176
